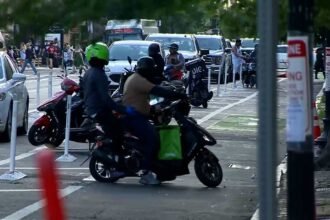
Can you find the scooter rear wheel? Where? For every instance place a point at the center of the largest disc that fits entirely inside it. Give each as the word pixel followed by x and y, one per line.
pixel 101 172
pixel 208 169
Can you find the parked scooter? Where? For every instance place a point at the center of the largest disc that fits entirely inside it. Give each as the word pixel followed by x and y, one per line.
pixel 198 90
pixel 249 72
pixel 105 159
pixel 49 129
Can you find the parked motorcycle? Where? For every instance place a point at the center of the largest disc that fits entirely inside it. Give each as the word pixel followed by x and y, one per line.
pixel 49 129
pixel 198 90
pixel 249 72
pixel 106 159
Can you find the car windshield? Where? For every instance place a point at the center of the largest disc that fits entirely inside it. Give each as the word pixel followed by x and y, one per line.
pixel 249 43
pixel 1 69
pixel 282 49
pixel 209 43
pixel 121 51
pixel 185 43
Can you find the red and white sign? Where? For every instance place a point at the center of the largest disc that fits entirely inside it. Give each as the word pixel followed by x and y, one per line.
pixel 299 114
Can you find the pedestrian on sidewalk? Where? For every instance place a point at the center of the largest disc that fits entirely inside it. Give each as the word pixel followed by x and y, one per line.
pixel 29 56
pixel 237 59
pixel 51 54
pixel 78 59
pixel 319 63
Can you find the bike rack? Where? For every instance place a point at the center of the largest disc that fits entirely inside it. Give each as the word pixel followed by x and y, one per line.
pixel 13 174
pixel 66 157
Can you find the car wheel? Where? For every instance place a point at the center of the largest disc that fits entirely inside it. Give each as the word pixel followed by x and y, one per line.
pixel 23 130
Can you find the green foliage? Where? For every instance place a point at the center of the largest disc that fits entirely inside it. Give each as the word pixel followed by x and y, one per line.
pixel 181 16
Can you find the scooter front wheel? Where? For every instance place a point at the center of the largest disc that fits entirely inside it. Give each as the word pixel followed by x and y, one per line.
pixel 208 169
pixel 101 172
pixel 38 135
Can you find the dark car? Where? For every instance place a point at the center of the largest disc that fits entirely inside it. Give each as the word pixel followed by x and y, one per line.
pixel 219 54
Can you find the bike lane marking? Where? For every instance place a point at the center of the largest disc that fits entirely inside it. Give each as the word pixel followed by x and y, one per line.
pixel 23 155
pixel 214 113
pixel 39 204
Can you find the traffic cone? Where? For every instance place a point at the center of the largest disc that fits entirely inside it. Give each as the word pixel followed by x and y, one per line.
pixel 316 124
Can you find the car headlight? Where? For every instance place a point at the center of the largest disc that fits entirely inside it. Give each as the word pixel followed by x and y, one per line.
pixel 2 96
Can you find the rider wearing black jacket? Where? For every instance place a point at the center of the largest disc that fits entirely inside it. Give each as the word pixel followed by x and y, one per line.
pixel 98 104
pixel 154 52
pixel 137 90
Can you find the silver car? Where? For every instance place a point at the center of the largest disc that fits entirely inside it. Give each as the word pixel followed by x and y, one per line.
pixel 119 51
pixel 12 87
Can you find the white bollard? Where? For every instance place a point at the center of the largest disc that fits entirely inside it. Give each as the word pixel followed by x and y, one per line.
pixel 38 89
pixel 50 83
pixel 240 73
pixel 12 174
pixel 66 157
pixel 209 79
pixel 226 75
pixel 219 81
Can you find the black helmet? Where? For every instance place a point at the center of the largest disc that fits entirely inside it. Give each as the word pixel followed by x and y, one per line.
pixel 174 46
pixel 145 66
pixel 153 49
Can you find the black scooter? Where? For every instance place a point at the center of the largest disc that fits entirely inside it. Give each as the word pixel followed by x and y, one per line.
pixel 106 159
pixel 198 90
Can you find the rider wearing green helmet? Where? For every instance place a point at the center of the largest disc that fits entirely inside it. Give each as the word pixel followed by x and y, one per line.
pixel 98 103
pixel 97 52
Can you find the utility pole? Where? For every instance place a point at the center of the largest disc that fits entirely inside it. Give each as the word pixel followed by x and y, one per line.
pixel 267 108
pixel 301 201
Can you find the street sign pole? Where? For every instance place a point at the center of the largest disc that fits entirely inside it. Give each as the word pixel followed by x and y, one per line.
pixel 300 181
pixel 267 109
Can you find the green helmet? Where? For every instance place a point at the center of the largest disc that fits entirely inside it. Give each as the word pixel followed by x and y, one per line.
pixel 97 50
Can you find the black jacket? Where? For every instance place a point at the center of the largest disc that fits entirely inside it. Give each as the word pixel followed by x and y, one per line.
pixel 29 53
pixel 158 73
pixel 96 97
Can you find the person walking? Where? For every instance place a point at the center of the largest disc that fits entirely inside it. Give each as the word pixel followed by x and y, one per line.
pixel 29 56
pixel 237 60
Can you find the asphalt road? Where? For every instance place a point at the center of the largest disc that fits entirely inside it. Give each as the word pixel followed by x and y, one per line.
pixel 231 118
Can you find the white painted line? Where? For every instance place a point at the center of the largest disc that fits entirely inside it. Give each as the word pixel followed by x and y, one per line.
pixel 22 156
pixel 212 114
pixel 22 213
pixel 33 111
pixel 20 190
pixel 90 178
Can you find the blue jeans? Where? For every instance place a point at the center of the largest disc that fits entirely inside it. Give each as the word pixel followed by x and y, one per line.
pixel 148 136
pixel 26 62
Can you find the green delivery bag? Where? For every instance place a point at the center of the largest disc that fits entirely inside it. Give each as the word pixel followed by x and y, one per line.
pixel 170 143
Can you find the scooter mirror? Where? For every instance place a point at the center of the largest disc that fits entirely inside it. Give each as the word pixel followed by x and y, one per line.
pixel 129 60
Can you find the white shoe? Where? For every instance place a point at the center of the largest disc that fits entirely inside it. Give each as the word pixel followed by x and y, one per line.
pixel 149 179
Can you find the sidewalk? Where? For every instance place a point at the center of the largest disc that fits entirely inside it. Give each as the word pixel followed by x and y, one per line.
pixel 322 196
pixel 321 185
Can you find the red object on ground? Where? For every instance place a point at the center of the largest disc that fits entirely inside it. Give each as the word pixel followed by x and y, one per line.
pixel 316 125
pixel 49 183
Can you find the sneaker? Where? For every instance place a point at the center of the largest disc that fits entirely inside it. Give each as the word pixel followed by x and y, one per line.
pixel 149 179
